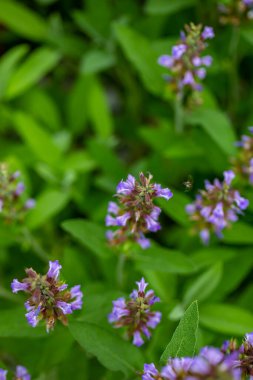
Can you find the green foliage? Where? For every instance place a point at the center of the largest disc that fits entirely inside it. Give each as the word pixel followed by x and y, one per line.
pixel 183 341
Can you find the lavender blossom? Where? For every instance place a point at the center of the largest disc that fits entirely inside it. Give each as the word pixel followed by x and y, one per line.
pixel 49 298
pixel 243 162
pixel 185 64
pixel 135 313
pixel 136 213
pixel 216 207
pixel 13 206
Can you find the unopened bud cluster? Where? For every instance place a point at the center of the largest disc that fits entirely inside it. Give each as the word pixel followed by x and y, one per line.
pixel 216 207
pixel 12 205
pixel 49 298
pixel 186 64
pixel 135 313
pixel 235 12
pixel 136 213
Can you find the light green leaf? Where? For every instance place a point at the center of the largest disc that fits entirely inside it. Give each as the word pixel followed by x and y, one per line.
pixel 226 319
pixel 8 62
pixel 22 20
pixel 217 126
pixel 239 233
pixel 38 140
pixel 140 53
pixel 175 208
pixel 48 204
pixel 95 61
pixel 162 260
pixel 204 285
pixel 14 324
pixel 161 7
pixel 183 341
pixel 113 352
pixel 39 63
pixel 99 111
pixel 89 234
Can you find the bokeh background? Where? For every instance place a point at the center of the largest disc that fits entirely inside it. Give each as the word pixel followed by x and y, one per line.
pixel 83 103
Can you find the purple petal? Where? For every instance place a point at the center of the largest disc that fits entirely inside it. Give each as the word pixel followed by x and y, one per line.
pixel 152 225
pixel 207 60
pixel 137 339
pixel 22 373
pixel 229 175
pixel 113 208
pixel 54 269
pixel 17 286
pixel 30 203
pixel 142 285
pixel 126 187
pixel 208 33
pixel 122 219
pixel 64 306
pixel 154 319
pixel 163 193
pixel 3 374
pixel 166 61
pixel 178 51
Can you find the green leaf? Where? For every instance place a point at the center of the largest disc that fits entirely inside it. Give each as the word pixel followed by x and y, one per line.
pixel 39 63
pixel 162 260
pixel 38 140
pixel 95 61
pixel 112 352
pixel 226 319
pixel 161 7
pixel 183 341
pixel 48 204
pixel 217 126
pixel 22 20
pixel 14 324
pixel 175 208
pixel 99 112
pixel 8 62
pixel 140 53
pixel 204 285
pixel 239 233
pixel 89 234
pixel 209 256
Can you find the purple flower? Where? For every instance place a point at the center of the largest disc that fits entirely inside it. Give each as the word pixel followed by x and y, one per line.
pixel 17 286
pixel 22 373
pixel 136 213
pixel 229 175
pixel 30 203
pixel 3 374
pixel 188 79
pixel 166 61
pixel 54 269
pixel 49 299
pixel 197 61
pixel 126 187
pixel 150 372
pixel 178 51
pixel 249 338
pixel 19 189
pixel 208 33
pixel 207 60
pixel 177 367
pixel 201 73
pixel 162 193
pixel 135 314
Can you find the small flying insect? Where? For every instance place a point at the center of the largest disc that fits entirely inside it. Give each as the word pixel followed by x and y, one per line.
pixel 188 183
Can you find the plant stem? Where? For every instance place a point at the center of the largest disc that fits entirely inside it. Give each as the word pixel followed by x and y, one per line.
pixel 179 113
pixel 120 269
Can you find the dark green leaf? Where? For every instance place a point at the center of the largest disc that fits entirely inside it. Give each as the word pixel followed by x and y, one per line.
pixel 162 7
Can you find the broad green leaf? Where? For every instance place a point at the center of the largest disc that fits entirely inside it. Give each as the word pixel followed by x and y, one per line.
pixel 139 51
pixel 183 341
pixel 209 256
pixel 48 204
pixel 204 285
pixel 161 7
pixel 226 319
pixel 22 20
pixel 35 67
pixel 8 62
pixel 79 161
pixel 38 140
pixel 95 61
pixel 89 234
pixel 162 260
pixel 99 111
pixel 239 233
pixel 175 208
pixel 217 126
pixel 14 324
pixel 113 352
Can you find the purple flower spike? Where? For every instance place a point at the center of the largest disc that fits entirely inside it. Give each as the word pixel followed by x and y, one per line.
pixel 208 33
pixel 135 314
pixel 136 214
pixel 54 269
pixel 49 299
pixel 17 286
pixel 22 373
